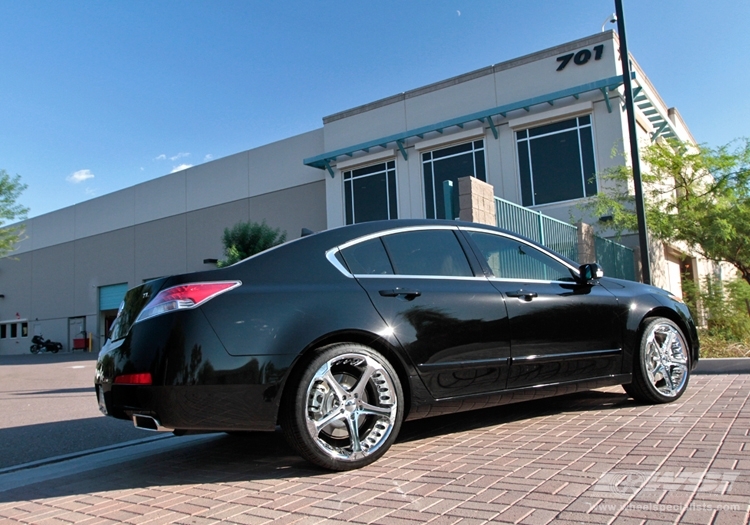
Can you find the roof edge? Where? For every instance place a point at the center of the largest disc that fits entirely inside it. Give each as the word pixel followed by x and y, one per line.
pixel 478 73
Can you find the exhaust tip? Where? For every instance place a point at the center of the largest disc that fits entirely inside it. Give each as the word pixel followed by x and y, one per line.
pixel 149 423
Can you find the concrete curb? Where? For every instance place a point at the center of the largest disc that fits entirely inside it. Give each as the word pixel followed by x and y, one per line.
pixel 731 365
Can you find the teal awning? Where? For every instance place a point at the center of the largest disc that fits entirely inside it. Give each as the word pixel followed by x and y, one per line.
pixel 606 85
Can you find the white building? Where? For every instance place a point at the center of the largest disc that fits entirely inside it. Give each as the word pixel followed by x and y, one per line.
pixel 537 128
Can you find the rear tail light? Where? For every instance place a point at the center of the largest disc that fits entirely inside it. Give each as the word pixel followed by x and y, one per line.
pixel 134 379
pixel 185 297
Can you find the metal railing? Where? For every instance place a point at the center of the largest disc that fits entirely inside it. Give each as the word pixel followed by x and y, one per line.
pixel 557 235
pixel 615 259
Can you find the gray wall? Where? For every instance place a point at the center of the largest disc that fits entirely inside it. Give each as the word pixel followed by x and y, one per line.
pixel 161 227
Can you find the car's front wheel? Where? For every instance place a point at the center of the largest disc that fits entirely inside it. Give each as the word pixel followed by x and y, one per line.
pixel 661 369
pixel 345 409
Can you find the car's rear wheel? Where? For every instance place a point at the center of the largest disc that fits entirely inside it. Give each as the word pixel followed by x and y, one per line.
pixel 345 408
pixel 661 369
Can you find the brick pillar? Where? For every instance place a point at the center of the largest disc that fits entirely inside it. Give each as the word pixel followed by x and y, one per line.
pixel 586 243
pixel 476 201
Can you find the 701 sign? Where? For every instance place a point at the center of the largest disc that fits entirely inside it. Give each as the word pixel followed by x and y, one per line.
pixel 580 58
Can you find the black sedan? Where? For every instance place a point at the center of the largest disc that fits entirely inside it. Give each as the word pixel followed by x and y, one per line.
pixel 340 336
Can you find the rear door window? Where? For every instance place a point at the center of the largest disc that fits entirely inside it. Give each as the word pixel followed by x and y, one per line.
pixel 427 252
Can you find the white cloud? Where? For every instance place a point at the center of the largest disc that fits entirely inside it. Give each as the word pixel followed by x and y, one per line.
pixel 179 156
pixel 79 176
pixel 161 157
pixel 181 167
pixel 91 192
pixel 208 157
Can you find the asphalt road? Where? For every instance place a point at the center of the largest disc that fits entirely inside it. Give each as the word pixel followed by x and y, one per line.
pixel 48 408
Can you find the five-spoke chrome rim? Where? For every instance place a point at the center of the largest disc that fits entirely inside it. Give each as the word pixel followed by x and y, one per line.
pixel 666 359
pixel 351 406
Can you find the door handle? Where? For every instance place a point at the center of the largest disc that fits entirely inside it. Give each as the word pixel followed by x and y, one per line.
pixel 522 294
pixel 401 293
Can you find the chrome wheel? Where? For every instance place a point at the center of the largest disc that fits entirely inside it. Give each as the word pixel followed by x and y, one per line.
pixel 351 406
pixel 666 359
pixel 661 368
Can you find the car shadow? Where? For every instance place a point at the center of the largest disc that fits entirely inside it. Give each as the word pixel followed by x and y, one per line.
pixel 264 456
pixel 594 400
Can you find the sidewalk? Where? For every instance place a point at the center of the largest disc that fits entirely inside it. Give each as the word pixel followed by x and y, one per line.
pixel 594 457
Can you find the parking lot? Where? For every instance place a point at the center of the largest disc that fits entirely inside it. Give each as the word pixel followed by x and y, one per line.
pixel 591 457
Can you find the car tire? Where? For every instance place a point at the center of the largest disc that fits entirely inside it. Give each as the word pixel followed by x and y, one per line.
pixel 661 368
pixel 344 408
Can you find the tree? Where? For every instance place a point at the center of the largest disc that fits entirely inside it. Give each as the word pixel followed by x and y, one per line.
pixel 694 194
pixel 10 189
pixel 248 238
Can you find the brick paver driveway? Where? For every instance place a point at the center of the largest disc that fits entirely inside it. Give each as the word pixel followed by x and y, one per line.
pixel 594 457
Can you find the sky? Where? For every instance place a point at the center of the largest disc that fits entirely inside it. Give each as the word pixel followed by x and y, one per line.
pixel 96 96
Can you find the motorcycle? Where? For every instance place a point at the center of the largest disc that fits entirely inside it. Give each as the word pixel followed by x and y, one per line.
pixel 42 345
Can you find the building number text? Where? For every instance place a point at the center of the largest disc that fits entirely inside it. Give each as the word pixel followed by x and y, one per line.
pixel 580 58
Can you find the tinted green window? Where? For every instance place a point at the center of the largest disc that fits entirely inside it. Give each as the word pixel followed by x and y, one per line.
pixel 450 164
pixel 556 162
pixel 370 193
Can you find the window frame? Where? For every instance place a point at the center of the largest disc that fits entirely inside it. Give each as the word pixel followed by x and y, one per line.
pixel 527 139
pixel 431 161
pixel 391 195
pixel 14 329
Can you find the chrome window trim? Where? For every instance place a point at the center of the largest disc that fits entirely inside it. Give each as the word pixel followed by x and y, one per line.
pixel 331 253
pixel 331 256
pixel 405 276
pixel 403 229
pixel 530 281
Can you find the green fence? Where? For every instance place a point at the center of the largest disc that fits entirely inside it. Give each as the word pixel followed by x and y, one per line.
pixel 615 259
pixel 556 235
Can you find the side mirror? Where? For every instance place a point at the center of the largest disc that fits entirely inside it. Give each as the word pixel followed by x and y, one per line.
pixel 590 272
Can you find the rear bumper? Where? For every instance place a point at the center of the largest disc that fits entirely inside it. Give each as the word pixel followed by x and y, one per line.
pixel 197 385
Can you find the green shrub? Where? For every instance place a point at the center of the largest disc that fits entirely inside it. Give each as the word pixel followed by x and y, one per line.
pixel 245 239
pixel 726 313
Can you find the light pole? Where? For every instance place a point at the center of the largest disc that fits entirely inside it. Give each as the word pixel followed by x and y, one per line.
pixel 640 208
